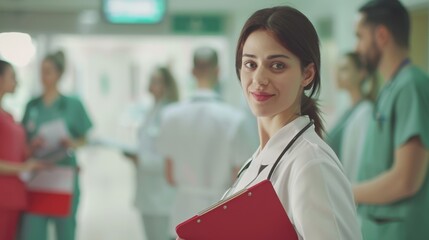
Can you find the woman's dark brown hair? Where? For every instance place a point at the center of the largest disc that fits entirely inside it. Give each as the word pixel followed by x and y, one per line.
pixel 172 93
pixel 295 32
pixel 58 59
pixel 3 66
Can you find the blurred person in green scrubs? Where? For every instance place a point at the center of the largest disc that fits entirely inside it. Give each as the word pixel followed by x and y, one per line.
pixel 347 137
pixel 393 189
pixel 53 105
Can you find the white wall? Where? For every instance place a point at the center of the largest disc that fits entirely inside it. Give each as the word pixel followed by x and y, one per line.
pixel 101 69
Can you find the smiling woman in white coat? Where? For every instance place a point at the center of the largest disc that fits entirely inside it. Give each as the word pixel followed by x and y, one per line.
pixel 278 64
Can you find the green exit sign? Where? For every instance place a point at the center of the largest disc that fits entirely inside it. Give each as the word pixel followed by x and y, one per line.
pixel 197 24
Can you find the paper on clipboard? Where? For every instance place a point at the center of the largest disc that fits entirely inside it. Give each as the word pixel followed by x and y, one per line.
pixel 52 133
pixel 55 179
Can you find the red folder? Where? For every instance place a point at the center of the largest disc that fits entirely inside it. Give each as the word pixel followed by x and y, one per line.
pixel 252 214
pixel 50 192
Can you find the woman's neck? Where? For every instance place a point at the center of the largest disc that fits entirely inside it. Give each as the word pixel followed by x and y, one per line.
pixel 356 96
pixel 269 126
pixel 50 95
pixel 158 100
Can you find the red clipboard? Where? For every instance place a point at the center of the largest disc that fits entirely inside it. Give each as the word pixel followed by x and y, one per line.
pixel 252 214
pixel 50 192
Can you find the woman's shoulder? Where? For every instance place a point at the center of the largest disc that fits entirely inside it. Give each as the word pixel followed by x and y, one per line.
pixel 363 112
pixel 312 150
pixel 313 162
pixel 365 105
pixel 172 109
pixel 72 101
pixel 34 101
pixel 4 115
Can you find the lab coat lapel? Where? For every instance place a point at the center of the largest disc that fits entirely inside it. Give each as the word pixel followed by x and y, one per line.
pixel 278 142
pixel 268 156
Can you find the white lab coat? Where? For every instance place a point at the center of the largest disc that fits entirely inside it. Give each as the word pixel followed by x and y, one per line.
pixel 353 139
pixel 198 136
pixel 153 195
pixel 309 182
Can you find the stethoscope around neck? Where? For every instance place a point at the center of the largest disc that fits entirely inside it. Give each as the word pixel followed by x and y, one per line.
pixel 262 167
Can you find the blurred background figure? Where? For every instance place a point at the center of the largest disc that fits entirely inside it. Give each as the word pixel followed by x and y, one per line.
pixel 13 152
pixel 393 188
pixel 154 195
pixel 54 106
pixel 246 140
pixel 197 141
pixel 347 138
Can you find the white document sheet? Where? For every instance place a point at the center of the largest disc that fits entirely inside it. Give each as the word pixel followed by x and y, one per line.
pixel 56 179
pixel 52 133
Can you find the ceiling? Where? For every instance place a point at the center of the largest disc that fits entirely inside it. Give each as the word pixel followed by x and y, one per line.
pixel 72 16
pixel 67 16
pixel 173 5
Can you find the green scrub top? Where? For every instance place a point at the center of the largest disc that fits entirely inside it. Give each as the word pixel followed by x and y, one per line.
pixel 69 109
pixel 401 112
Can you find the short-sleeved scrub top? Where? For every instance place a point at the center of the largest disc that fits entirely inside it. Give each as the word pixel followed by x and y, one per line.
pixel 37 113
pixel 69 109
pixel 401 112
pixel 12 150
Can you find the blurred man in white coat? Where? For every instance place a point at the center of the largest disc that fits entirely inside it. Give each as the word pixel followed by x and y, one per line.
pixel 199 141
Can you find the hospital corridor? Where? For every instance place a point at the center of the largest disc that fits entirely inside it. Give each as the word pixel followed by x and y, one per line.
pixel 204 120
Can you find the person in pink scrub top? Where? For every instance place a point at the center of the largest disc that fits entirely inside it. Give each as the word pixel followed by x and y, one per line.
pixel 12 161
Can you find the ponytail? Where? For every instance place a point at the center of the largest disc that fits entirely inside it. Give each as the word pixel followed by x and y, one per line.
pixel 310 107
pixel 172 94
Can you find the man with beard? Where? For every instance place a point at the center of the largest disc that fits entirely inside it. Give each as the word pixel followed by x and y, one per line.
pixel 393 189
